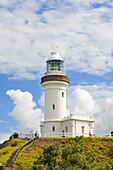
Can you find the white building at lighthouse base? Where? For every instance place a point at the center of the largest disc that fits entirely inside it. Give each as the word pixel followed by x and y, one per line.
pixel 69 126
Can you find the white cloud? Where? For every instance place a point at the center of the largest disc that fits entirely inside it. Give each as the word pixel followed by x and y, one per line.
pixel 80 102
pixel 105 119
pixel 4 136
pixel 24 111
pixel 84 35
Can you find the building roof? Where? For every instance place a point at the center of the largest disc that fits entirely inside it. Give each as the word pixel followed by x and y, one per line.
pixel 55 56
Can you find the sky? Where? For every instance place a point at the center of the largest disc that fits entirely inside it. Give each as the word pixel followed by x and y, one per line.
pixel 83 32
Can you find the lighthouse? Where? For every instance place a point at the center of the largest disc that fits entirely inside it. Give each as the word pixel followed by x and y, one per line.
pixel 55 83
pixel 57 121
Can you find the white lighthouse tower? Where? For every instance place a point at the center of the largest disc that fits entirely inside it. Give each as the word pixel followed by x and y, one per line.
pixel 56 120
pixel 54 83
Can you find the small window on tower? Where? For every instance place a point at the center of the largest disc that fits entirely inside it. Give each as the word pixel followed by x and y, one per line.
pixel 53 106
pixel 53 128
pixel 62 94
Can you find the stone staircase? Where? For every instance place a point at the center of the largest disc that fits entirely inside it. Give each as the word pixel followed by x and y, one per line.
pixel 10 161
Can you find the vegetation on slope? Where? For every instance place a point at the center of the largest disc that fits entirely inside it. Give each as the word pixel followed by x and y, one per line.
pixel 8 147
pixel 79 153
pixel 32 152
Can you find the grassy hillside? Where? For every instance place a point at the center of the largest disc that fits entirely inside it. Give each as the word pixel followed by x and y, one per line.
pixel 32 152
pixel 80 153
pixel 8 147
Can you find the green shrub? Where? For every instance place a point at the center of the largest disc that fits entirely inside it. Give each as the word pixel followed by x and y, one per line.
pixel 15 143
pixel 76 154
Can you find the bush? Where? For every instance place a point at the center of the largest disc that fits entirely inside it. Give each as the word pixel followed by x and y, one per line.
pixel 49 158
pixel 14 143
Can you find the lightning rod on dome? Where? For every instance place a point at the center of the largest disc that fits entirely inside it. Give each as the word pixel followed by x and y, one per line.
pixel 54 48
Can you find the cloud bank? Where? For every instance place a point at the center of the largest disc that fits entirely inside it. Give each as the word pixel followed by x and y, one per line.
pixel 105 119
pixel 25 111
pixel 80 102
pixel 82 30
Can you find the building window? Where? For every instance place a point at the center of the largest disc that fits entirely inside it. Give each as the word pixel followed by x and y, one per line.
pixel 53 128
pixel 62 94
pixel 66 128
pixel 82 129
pixel 53 106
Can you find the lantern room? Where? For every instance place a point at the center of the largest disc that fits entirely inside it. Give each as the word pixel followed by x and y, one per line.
pixel 55 64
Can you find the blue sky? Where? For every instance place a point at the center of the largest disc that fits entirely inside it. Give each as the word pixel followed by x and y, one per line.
pixel 83 32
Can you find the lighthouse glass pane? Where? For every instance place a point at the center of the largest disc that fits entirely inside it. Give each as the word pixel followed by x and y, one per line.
pixel 48 66
pixel 55 65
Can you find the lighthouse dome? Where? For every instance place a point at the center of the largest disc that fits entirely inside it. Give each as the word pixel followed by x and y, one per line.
pixel 55 56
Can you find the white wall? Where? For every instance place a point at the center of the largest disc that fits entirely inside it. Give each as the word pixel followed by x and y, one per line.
pixel 47 130
pixel 74 128
pixel 79 125
pixel 70 128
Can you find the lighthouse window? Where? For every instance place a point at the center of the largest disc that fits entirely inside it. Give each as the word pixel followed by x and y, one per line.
pixel 82 129
pixel 53 106
pixel 55 65
pixel 53 128
pixel 66 129
pixel 62 94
